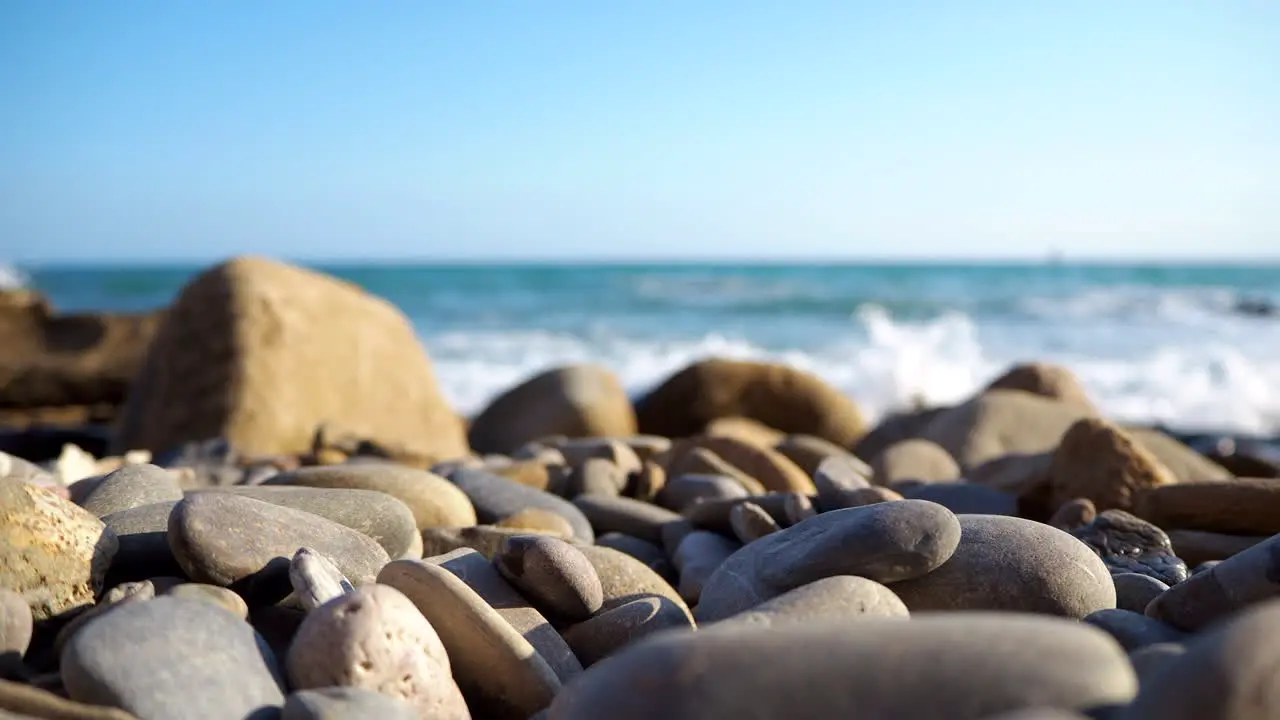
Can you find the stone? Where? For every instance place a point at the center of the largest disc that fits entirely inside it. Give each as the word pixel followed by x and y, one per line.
pixel 843 499
pixel 696 559
pixel 554 575
pixel 374 638
pixel 434 501
pixel 964 498
pixel 745 430
pixel 484 539
pixel 887 542
pixel 750 522
pixel 1128 544
pixel 1133 630
pixel 1046 380
pixel 624 515
pixel 172 657
pixel 997 423
pixel 808 452
pixel 894 427
pixel 500 674
pixel 1247 578
pixel 13 467
pixel 1197 547
pixel 143 544
pixel 684 490
pixel 836 598
pixel 624 578
pixel 836 477
pixel 532 473
pixel 1245 506
pixel 1187 465
pixel 954 665
pixel 53 553
pixel 606 633
pixel 1099 461
pixel 1135 591
pixel 646 447
pixel 1025 475
pixel 345 703
pixel 1227 673
pixel 1074 514
pixel 1040 713
pixel 770 468
pixel 701 461
pixel 132 486
pixel 594 476
pixel 715 515
pixel 220 596
pixel 1148 661
pixel 541 521
pixel 779 396
pixel 914 459
pixel 16 626
pixel 315 579
pixel 496 497
pixel 1014 565
pixel 573 401
pixel 26 701
pixel 224 539
pixel 577 451
pixel 118 597
pixel 646 483
pixel 651 554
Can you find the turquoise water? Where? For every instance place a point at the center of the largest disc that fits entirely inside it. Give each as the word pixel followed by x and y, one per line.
pixel 1153 343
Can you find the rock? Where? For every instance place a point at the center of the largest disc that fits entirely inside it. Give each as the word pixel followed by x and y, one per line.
pixel 1014 565
pixel 574 401
pixel 247 343
pixel 1135 591
pixel 970 665
pixel 914 459
pixel 13 467
pixel 796 508
pixel 554 575
pixel 771 469
pixel 715 515
pixel 1225 674
pixel 1046 380
pixel 1244 579
pixel 595 476
pixel 624 515
pixel 684 490
pixel 315 579
pixel 501 675
pixel 998 423
pixel 836 598
pixel 1127 544
pixel 697 557
pixel 577 451
pixel 1148 661
pixel 701 461
pixel 434 501
pixel 858 498
pixel 964 498
pixel 219 596
pixel 223 539
pixel 172 657
pixel 132 486
pixel 346 703
pixel 608 632
pixel 1187 465
pixel 374 638
pixel 893 428
pixel 496 498
pixel 647 447
pixel 750 522
pixel 1197 548
pixel 1023 474
pixel 808 452
pixel 744 430
pixel 1239 507
pixel 1040 713
pixel 1098 461
pixel 484 539
pixel 52 552
pixel 118 597
pixel 26 701
pixel 624 578
pixel 650 554
pixel 541 521
pixel 142 536
pixel 647 483
pixel 836 477
pixel 887 542
pixel 1074 514
pixel 1133 630
pixel 532 473
pixel 16 626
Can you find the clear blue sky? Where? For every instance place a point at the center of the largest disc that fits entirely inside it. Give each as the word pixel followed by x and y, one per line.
pixel 646 128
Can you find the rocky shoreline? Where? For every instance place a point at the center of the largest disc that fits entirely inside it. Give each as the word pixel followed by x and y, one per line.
pixel 281 516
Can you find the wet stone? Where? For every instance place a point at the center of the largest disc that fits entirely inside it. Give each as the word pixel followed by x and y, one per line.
pixel 1128 544
pixel 1135 591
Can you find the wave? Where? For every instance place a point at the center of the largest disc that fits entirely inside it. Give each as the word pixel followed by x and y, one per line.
pixel 12 277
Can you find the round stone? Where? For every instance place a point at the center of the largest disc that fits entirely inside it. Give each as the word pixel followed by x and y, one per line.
pixel 914 459
pixel 220 596
pixel 836 598
pixel 624 578
pixel 434 501
pixel 1133 630
pixel 132 486
pixel 496 497
pixel 608 632
pixel 625 515
pixel 1134 591
pixel 554 575
pixel 697 558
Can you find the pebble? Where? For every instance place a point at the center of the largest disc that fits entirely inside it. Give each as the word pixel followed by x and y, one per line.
pixel 770 468
pixel 1149 660
pixel 752 432
pixel 858 498
pixel 345 703
pixel 1099 461
pixel 434 501
pixel 809 451
pixel 496 497
pixel 594 477
pixel 119 596
pixel 577 451
pixel 220 596
pixel 485 539
pixel 26 702
pixel 608 632
pixel 1197 546
pixel 643 550
pixel 750 522
pixel 715 515
pixel 530 473
pixel 500 674
pixel 1248 578
pixel 835 598
pixel 624 578
pixel 1228 673
pixel 697 558
pixel 223 539
pixel 16 624
pixel 374 638
pixel 52 552
pixel 684 490
pixel 537 520
pixel 1012 564
pixel 143 540
pixel 1135 591
pixel 1074 514
pixel 132 486
pixel 172 658
pixel 316 579
pixel 915 459
pixel 625 515
pixel 554 575
pixel 1244 506
pixel 1133 630
pixel 701 461
pixel 647 483
pixel 887 542
pixel 964 498
pixel 647 447
pixel 954 665
pixel 1128 544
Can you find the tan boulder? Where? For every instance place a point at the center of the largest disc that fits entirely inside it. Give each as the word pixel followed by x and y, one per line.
pixel 916 459
pixel 998 423
pixel 1046 380
pixel 776 395
pixel 1099 461
pixel 1187 465
pixel 1241 507
pixel 261 353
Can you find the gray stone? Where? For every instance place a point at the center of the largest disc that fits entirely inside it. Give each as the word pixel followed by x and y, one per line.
pixel 608 632
pixel 132 486
pixel 172 658
pixel 624 578
pixel 553 574
pixel 219 596
pixel 964 498
pixel 715 515
pixel 434 501
pixel 594 476
pixel 684 490
pixel 914 459
pixel 837 475
pixel 699 555
pixel 496 497
pixel 836 598
pixel 1133 630
pixel 1128 544
pixel 625 515
pixel 316 579
pixel 1148 661
pixel 1248 578
pixel 1135 591
pixel 143 537
pixel 887 542
pixel 646 552
pixel 750 522
pixel 344 703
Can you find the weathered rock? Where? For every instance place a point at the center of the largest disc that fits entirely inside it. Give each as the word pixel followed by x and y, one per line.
pixel 624 515
pixel 914 459
pixel 1197 547
pixel 808 452
pixel 1012 564
pixel 836 598
pixel 886 543
pixel 434 501
pixel 1246 506
pixel 245 348
pixel 1099 461
pixel 172 657
pixel 697 557
pixel 554 575
pixel 220 596
pixel 964 498
pixel 16 626
pixel 1135 591
pixel 624 578
pixel 971 665
pixel 1046 380
pixel 26 701
pixel 1074 514
pixel 345 703
pixel 374 638
pixel 1133 630
pixel 1128 544
pixel 684 490
pixel 1244 579
pixel 750 522
pixel 608 632
pixel 496 498
pixel 52 552
pixel 998 423
pixel 132 486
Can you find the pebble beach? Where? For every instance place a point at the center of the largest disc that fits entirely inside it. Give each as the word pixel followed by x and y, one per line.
pixel 266 503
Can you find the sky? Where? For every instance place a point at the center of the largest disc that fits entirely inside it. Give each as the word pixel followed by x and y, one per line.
pixel 651 129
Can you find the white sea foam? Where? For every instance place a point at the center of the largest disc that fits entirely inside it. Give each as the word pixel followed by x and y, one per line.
pixel 12 277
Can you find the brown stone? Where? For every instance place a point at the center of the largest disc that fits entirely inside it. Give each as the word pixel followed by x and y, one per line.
pixel 1046 380
pixel 1187 465
pixel 808 452
pixel 749 431
pixel 1074 514
pixel 1248 506
pixel 769 467
pixel 915 459
pixel 701 461
pixel 998 423
pixel 1197 546
pixel 536 519
pixel 1099 461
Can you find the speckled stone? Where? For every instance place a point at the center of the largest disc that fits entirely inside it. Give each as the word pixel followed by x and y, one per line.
pixel 608 632
pixel 496 497
pixel 554 575
pixel 132 486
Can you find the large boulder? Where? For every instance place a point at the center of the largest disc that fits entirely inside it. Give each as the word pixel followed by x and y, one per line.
pixel 998 423
pixel 261 353
pixel 575 401
pixel 1046 380
pixel 778 396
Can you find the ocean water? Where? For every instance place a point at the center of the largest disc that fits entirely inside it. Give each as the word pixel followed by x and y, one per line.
pixel 1152 343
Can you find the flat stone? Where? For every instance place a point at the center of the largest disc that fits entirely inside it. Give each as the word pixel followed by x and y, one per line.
pixel 142 534
pixel 374 638
pixel 887 542
pixel 1245 579
pixel 914 459
pixel 1012 564
pixel 501 675
pixel 132 486
pixel 682 491
pixel 172 657
pixel 219 596
pixel 316 579
pixel 554 575
pixel 964 498
pixel 1100 461
pixel 1133 630
pixel 26 701
pixel 954 665
pixel 496 497
pixel 1245 506
pixel 750 522
pixel 224 539
pixel 1128 544
pixel 646 552
pixel 624 578
pixel 620 514
pixel 1197 547
pixel 608 632
pixel 433 501
pixel 345 703
pixel 835 598
pixel 1135 591
pixel 485 539
pixel 16 624
pixel 697 558
pixel 52 552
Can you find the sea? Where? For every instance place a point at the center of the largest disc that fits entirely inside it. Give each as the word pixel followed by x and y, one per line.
pixel 1194 347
